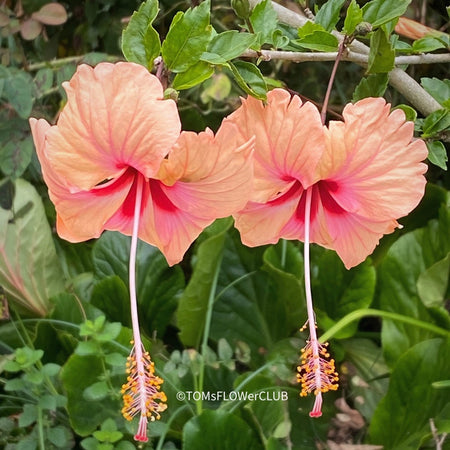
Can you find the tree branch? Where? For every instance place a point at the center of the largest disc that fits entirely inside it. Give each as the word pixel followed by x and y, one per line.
pixel 398 79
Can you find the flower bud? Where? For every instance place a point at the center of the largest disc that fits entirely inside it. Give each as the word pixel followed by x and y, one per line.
pixel 241 8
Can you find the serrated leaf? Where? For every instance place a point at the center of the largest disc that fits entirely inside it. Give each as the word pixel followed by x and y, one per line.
pixel 188 37
pixel 379 12
pixel 231 44
pixel 436 122
pixel 194 75
pixel 427 44
pixel 264 21
pixel 328 14
pixel 382 55
pixel 374 85
pixel 140 41
pixel 87 348
pixel 59 436
pixel 353 17
pixel 27 248
pixel 437 154
pixel 250 79
pixel 320 41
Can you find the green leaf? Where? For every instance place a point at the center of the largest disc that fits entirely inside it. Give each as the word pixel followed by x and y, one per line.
pixel 432 284
pixel 382 55
pixel 264 21
pixel 59 436
pixel 285 268
pixel 401 420
pixel 379 12
pixel 191 313
pixel 15 157
pixel 410 256
pixel 437 121
pixel 140 41
pixel 374 85
pixel 109 288
pixel 96 391
pixel 328 15
pixel 7 192
pixel 188 38
pixel 427 44
pixel 351 290
pixel 250 79
pixel 248 301
pixel 410 113
pixel 26 247
pixel 78 373
pixel 28 416
pixel 437 154
pixel 353 18
pixel 231 44
pixel 213 426
pixel 18 91
pixel 196 74
pixel 157 284
pixel 320 41
pixel 43 81
pixel 439 89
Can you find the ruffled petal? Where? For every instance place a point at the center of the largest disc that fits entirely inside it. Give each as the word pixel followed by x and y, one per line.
pixel 115 117
pixel 265 223
pixel 289 141
pixel 376 170
pixel 210 176
pixel 168 227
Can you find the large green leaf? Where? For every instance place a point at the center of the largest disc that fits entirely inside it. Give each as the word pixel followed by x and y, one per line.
pixel 215 429
pixel 401 420
pixel 374 85
pixel 157 284
pixel 79 373
pixel 29 268
pixel 249 308
pixel 191 313
pixel 405 262
pixel 349 290
pixel 188 38
pixel 140 41
pixel 18 91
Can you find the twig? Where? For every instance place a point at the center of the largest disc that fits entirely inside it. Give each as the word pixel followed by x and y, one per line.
pixel 398 79
pixel 438 440
pixel 267 55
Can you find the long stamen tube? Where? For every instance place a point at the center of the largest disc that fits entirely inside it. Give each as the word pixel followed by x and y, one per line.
pixel 141 393
pixel 316 371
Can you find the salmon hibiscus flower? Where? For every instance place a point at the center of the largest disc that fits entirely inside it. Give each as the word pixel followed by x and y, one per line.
pixel 343 187
pixel 116 160
pixel 362 173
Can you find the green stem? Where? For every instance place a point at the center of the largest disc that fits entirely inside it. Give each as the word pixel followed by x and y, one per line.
pixel 204 345
pixel 283 253
pixel 360 313
pixel 40 428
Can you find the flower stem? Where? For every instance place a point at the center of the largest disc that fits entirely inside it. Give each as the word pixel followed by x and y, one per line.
pixel 342 46
pixel 204 345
